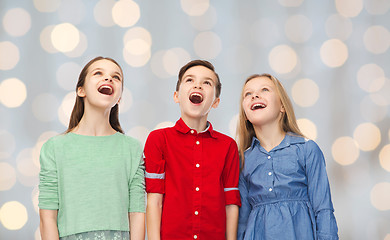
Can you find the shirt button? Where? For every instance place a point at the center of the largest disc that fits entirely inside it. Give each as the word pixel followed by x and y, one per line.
pixel 269 173
pixel 197 189
pixel 269 157
pixel 197 165
pixel 196 212
pixel 195 237
pixel 197 142
pixel 192 131
pixel 270 189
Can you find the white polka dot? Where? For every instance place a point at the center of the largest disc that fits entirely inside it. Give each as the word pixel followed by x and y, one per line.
pixel 7 176
pixel 47 5
pixel 334 53
pixel 13 215
pixel 377 39
pixel 298 28
pixel 136 60
pixel 345 151
pixel 100 13
pixel 384 157
pixel 174 59
pixel 9 56
pixel 13 92
pixel 380 196
pixel 195 7
pixel 368 136
pixel 25 163
pixel 371 77
pixel 44 107
pixel 282 59
pixel 45 39
pixel 207 45
pixel 126 13
pixel 66 108
pixel 17 22
pixel 308 128
pixel 80 48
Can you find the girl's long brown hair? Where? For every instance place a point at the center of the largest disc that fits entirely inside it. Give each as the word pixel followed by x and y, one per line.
pixel 245 130
pixel 78 109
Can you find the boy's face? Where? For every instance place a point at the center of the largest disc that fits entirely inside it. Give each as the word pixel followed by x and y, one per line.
pixel 196 94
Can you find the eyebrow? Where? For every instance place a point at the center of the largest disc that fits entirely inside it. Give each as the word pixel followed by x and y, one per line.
pixel 190 75
pixel 103 69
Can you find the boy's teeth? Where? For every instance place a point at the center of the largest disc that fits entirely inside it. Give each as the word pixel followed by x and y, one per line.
pixel 196 98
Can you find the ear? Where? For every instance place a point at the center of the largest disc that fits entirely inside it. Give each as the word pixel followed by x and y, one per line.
pixel 80 92
pixel 282 109
pixel 176 97
pixel 216 102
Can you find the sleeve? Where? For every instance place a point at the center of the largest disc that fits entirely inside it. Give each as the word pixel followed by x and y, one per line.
pixel 154 163
pixel 230 176
pixel 137 184
pixel 319 192
pixel 48 179
pixel 245 209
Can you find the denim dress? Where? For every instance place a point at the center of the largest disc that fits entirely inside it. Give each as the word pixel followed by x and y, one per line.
pixel 285 193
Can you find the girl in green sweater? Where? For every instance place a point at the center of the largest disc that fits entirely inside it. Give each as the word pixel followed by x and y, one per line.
pixel 92 176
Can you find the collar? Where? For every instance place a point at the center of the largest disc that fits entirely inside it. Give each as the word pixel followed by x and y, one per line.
pixel 182 127
pixel 289 139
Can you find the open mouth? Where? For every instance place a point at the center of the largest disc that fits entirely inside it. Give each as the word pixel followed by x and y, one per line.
pixel 106 90
pixel 196 98
pixel 258 106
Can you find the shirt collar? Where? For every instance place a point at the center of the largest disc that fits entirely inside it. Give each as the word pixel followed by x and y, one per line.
pixel 182 127
pixel 289 139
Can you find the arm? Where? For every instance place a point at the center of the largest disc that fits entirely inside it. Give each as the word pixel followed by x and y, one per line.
pixel 48 224
pixel 137 225
pixel 319 192
pixel 153 215
pixel 231 221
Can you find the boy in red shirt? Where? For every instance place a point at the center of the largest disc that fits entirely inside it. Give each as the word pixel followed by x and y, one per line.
pixel 192 170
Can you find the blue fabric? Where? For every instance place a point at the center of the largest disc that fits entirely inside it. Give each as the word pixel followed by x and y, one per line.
pixel 285 193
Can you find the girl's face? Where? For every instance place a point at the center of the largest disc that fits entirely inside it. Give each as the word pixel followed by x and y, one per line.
pixel 103 85
pixel 261 102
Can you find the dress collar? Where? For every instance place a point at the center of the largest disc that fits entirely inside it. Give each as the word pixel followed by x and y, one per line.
pixel 289 139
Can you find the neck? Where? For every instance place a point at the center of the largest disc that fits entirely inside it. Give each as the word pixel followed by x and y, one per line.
pixel 269 136
pixel 94 122
pixel 199 124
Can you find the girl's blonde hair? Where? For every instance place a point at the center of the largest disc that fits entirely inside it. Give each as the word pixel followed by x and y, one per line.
pixel 245 130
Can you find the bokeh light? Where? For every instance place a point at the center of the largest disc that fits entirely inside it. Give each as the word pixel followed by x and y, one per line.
pixel 13 92
pixel 137 50
pixel 334 53
pixel 305 92
pixel 290 3
pixel 65 37
pixel 140 133
pixel 126 100
pixel 349 8
pixel 338 26
pixel 17 22
pixel 9 56
pixel 174 59
pixel 164 125
pixel 298 28
pixel 345 150
pixel 45 39
pixel 126 13
pixel 7 144
pixel 384 157
pixel 377 39
pixel 308 128
pixel 380 196
pixel 206 21
pixel 100 13
pixel 7 176
pixel 66 108
pixel 371 77
pixel 377 7
pixel 13 215
pixel 282 59
pixel 195 7
pixel 47 5
pixel 207 45
pixel 368 136
pixel 80 48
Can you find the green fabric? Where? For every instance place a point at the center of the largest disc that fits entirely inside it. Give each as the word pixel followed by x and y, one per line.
pixel 93 181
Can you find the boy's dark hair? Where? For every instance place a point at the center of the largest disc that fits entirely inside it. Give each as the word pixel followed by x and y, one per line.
pixel 203 63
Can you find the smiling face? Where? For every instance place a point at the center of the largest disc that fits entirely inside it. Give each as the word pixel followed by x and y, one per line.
pixel 103 85
pixel 261 102
pixel 197 93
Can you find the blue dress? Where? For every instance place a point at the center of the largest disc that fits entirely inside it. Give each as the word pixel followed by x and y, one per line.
pixel 285 193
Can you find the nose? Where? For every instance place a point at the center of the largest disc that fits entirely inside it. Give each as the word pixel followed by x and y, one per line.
pixel 197 86
pixel 255 96
pixel 108 79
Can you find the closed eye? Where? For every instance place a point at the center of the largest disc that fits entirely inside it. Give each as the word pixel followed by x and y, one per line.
pixel 117 77
pixel 247 94
pixel 208 83
pixel 98 73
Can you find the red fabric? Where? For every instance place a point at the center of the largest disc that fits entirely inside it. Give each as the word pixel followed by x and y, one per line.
pixel 175 152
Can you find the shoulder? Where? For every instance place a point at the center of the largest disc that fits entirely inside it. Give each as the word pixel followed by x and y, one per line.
pixel 59 139
pixel 131 142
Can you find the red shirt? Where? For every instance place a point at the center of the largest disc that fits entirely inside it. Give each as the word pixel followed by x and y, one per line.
pixel 198 175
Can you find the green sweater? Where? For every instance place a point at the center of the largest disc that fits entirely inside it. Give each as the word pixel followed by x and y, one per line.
pixel 93 181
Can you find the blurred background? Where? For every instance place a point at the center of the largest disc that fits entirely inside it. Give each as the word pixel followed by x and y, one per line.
pixel 332 57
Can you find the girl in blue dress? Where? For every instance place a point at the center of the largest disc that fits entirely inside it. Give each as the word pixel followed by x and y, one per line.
pixel 284 187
